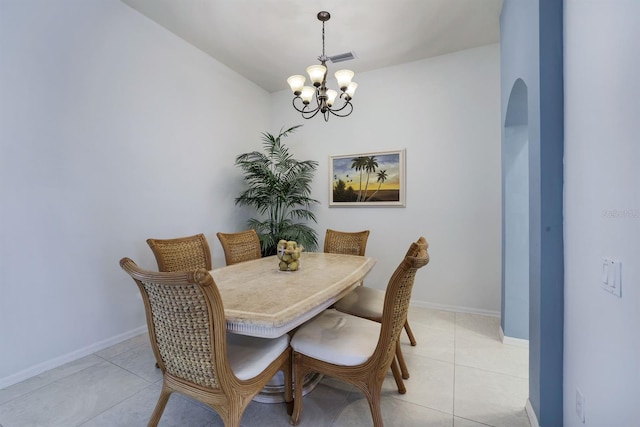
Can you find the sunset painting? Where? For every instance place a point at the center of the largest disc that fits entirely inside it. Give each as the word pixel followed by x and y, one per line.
pixel 368 179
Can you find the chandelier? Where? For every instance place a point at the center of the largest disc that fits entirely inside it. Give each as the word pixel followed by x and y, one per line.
pixel 311 100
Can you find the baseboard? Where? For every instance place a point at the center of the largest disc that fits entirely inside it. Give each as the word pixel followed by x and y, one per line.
pixel 456 308
pixel 518 342
pixel 69 357
pixel 533 420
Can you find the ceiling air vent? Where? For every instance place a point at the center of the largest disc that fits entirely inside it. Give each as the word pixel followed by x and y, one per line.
pixel 342 57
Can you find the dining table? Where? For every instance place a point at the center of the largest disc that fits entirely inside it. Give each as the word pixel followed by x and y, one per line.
pixel 260 300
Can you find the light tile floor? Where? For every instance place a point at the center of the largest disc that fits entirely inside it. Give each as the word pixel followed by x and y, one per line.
pixel 461 376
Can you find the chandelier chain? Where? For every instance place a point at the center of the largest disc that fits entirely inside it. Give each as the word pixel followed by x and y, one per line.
pixel 323 58
pixel 323 39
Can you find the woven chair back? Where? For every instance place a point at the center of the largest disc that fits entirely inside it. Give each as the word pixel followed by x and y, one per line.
pixel 396 301
pixel 347 243
pixel 181 254
pixel 241 246
pixel 185 318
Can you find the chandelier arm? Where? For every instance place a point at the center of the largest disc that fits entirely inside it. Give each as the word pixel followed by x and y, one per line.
pixel 308 115
pixel 337 112
pixel 293 102
pixel 302 110
pixel 345 105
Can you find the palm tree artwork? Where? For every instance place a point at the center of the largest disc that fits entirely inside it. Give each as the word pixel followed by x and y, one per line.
pixel 378 179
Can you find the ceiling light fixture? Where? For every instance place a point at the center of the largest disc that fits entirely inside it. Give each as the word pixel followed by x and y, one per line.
pixel 324 98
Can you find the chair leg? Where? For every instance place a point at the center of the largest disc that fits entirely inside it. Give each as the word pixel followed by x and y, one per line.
pixel 401 362
pixel 397 376
pixel 288 384
pixel 407 328
pixel 373 396
pixel 298 379
pixel 234 415
pixel 159 409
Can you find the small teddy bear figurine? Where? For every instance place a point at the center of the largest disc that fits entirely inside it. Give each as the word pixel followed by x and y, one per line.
pixel 289 255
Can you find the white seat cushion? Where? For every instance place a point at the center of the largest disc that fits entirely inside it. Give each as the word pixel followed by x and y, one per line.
pixel 362 301
pixel 337 338
pixel 249 356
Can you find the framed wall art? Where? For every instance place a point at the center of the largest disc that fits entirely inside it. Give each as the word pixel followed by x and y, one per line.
pixel 367 179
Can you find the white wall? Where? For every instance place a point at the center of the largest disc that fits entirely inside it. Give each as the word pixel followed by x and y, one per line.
pixel 446 112
pixel 112 130
pixel 602 210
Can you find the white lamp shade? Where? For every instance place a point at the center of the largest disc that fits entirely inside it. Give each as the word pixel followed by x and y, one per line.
pixel 296 82
pixel 307 94
pixel 331 97
pixel 316 74
pixel 351 89
pixel 344 78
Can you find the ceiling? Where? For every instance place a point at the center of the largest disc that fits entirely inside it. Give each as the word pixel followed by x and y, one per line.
pixel 266 41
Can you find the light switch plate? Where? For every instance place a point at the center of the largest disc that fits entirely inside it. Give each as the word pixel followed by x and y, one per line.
pixel 612 276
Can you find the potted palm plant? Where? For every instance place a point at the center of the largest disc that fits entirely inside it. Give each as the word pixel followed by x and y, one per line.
pixel 279 188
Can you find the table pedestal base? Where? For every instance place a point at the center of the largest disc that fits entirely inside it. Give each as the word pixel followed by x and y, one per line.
pixel 273 392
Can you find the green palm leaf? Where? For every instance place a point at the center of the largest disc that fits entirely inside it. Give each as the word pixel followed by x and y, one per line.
pixel 279 189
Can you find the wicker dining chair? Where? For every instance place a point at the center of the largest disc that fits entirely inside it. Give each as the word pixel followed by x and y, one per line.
pixel 187 329
pixel 240 246
pixel 344 242
pixel 368 302
pixel 181 254
pixel 355 243
pixel 357 350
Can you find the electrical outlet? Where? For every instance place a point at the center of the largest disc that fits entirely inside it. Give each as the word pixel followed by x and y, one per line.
pixel 580 405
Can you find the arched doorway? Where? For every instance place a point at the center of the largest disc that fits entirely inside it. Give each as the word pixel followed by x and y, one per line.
pixel 515 214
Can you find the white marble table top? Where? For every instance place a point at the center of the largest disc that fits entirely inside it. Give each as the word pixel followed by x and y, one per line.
pixel 262 301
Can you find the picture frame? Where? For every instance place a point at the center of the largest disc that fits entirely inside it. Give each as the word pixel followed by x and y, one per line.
pixel 368 179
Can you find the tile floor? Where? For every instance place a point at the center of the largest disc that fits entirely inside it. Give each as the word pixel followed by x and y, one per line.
pixel 461 375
